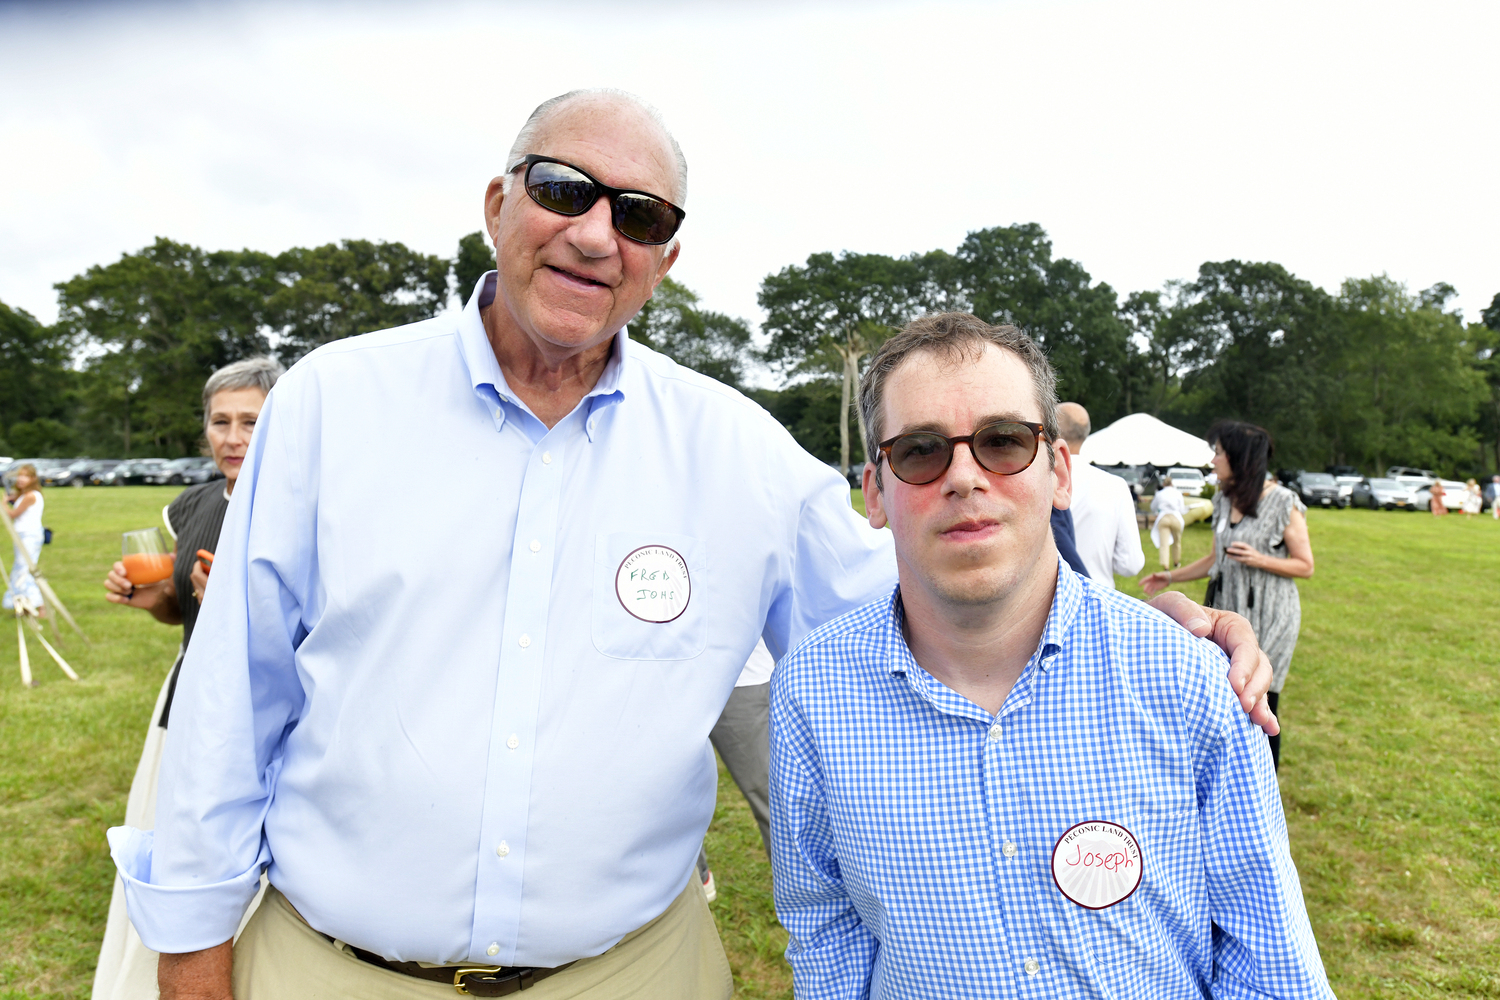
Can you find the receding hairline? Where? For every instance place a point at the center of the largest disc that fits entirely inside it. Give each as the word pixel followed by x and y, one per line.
pixel 605 100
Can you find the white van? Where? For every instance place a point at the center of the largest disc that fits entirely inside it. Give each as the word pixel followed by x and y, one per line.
pixel 1189 482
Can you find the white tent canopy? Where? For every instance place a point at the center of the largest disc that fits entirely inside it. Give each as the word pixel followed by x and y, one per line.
pixel 1141 439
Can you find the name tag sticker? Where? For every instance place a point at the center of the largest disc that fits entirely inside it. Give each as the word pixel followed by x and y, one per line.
pixel 1097 864
pixel 653 584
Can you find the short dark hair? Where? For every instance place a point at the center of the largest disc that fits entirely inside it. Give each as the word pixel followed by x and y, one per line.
pixel 1249 449
pixel 956 336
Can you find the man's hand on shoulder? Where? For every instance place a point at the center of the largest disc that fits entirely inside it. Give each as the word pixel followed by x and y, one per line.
pixel 1249 667
pixel 197 975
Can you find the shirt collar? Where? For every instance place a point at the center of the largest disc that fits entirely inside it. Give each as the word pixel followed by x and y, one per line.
pixel 1067 601
pixel 489 381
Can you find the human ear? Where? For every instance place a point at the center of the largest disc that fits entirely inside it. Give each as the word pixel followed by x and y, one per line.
pixel 1062 476
pixel 874 509
pixel 494 197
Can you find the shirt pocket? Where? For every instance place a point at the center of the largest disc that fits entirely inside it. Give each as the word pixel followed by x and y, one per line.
pixel 650 596
pixel 1131 942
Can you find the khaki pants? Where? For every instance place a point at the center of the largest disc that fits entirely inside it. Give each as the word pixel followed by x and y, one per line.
pixel 677 956
pixel 1169 537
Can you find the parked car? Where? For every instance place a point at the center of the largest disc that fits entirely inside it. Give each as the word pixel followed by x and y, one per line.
pixel 1453 495
pixel 1142 479
pixel 1347 483
pixel 1189 482
pixel 1408 472
pixel 1317 489
pixel 100 468
pixel 1340 471
pixel 134 472
pixel 1381 493
pixel 181 471
pixel 74 473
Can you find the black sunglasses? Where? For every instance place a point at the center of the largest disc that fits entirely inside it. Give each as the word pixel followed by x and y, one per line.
pixel 563 188
pixel 1004 447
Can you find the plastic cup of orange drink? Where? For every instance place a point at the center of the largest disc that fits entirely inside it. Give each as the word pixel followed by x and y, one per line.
pixel 146 559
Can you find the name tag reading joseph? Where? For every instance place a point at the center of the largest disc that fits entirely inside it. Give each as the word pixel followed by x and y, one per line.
pixel 1097 864
pixel 652 584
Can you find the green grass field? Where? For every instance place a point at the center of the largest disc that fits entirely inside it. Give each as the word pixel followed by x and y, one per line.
pixel 1391 760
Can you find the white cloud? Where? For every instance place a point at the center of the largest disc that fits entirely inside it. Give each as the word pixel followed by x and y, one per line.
pixel 1339 139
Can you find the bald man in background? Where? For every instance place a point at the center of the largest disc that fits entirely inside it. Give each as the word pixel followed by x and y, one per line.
pixel 1104 526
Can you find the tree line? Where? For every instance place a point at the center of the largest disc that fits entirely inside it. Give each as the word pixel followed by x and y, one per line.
pixel 1368 376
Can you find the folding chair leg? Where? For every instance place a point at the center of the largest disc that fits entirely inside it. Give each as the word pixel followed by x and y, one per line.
pixel 42 638
pixel 25 662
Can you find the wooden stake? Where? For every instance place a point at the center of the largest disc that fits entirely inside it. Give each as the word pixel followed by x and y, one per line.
pixel 42 638
pixel 21 639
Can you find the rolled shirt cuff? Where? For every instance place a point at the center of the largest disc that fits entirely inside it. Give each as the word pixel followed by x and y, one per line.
pixel 179 918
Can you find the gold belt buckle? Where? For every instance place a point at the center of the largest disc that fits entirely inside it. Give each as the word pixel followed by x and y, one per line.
pixel 458 975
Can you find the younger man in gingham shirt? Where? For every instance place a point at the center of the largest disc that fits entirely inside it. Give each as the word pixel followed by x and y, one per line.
pixel 1003 780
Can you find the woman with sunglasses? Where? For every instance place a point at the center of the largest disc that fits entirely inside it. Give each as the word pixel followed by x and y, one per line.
pixel 1261 548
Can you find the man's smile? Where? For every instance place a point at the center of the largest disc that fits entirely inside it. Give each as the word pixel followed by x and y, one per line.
pixel 574 278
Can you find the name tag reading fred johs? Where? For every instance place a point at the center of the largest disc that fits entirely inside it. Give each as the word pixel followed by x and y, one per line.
pixel 653 584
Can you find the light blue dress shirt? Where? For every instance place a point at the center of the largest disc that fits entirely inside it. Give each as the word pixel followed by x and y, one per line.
pixel 422 688
pixel 913 833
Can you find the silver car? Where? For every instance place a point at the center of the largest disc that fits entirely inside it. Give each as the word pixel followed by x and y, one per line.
pixel 1381 493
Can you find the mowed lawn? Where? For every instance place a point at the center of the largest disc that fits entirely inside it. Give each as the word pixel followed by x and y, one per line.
pixel 1390 779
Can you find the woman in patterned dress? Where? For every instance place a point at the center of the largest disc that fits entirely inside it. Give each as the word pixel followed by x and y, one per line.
pixel 1261 548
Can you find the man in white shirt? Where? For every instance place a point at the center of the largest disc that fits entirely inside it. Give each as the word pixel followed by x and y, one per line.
pixel 1103 513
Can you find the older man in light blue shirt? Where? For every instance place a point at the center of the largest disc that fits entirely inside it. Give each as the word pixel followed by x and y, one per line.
pixel 465 724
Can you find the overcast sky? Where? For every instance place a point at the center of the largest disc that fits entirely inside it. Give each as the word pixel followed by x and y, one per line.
pixel 1339 139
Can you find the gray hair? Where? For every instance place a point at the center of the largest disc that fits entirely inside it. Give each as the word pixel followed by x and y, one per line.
pixel 526 138
pixel 252 373
pixel 955 336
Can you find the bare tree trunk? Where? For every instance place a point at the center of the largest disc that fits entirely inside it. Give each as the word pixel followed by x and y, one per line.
pixel 127 426
pixel 844 418
pixel 850 351
pixel 851 372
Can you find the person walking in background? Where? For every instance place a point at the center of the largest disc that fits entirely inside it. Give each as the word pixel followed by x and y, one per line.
pixel 742 736
pixel 1261 548
pixel 232 398
pixel 1171 519
pixel 1473 499
pixel 1495 498
pixel 1104 527
pixel 1436 504
pixel 25 508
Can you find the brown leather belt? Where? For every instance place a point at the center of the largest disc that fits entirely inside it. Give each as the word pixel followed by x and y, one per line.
pixel 469 980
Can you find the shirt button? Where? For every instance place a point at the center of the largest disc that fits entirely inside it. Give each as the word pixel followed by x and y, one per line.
pixel 536 546
pixel 514 742
pixel 546 458
pixel 1009 850
pixel 492 950
pixel 995 731
pixel 1033 967
pixel 525 641
pixel 502 848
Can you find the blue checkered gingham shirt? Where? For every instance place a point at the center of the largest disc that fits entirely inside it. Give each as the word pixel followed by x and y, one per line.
pixel 913 833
